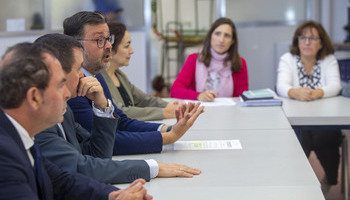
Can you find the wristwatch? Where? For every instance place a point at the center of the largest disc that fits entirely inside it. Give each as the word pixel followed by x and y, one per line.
pixel 107 109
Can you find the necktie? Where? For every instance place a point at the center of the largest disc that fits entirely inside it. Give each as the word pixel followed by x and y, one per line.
pixel 34 150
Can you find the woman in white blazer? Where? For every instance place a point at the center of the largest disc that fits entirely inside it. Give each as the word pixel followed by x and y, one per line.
pixel 306 73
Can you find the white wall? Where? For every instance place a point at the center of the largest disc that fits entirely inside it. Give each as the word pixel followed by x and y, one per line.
pixel 136 71
pixel 6 42
pixel 339 19
pixel 258 46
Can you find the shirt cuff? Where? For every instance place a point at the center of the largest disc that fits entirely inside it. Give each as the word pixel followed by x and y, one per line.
pixel 109 110
pixel 160 127
pixel 153 167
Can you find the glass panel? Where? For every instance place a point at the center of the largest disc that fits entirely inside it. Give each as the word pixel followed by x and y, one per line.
pixel 21 15
pixel 255 11
pixel 61 9
pixel 129 12
pixel 195 16
pixel 133 13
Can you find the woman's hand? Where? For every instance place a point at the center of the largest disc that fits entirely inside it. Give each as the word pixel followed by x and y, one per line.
pixel 305 94
pixel 207 96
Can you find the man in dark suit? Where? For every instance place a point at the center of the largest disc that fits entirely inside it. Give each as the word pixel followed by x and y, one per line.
pixel 92 30
pixel 34 95
pixel 73 148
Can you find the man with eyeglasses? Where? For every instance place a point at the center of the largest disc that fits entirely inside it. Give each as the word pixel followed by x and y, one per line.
pixel 132 136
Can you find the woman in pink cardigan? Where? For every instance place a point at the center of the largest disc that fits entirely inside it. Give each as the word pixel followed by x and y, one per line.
pixel 217 71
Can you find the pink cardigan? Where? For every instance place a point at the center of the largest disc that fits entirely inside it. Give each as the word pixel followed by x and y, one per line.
pixel 184 86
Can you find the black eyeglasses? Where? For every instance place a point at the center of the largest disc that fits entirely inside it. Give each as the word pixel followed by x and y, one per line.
pixel 101 42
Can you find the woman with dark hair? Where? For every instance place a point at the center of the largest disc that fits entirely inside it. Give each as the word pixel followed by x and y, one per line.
pixel 134 103
pixel 217 70
pixel 308 72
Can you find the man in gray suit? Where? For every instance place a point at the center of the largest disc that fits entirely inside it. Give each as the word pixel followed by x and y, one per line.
pixel 73 148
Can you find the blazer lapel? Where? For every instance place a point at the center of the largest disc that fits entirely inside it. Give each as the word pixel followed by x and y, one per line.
pixel 7 125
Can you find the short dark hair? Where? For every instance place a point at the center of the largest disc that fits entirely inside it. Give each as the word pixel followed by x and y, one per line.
pixel 20 48
pixel 74 25
pixel 118 30
pixel 233 55
pixel 64 45
pixel 327 47
pixel 20 72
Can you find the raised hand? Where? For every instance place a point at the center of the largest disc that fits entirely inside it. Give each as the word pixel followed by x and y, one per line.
pixel 92 89
pixel 186 115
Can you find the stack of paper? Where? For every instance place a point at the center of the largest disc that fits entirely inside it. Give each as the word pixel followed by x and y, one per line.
pixel 261 97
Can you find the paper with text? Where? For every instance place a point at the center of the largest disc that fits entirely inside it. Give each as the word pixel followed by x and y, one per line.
pixel 204 145
pixel 221 101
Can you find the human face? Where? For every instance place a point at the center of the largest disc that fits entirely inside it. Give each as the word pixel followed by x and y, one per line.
pixel 124 51
pixel 55 96
pixel 221 39
pixel 96 59
pixel 76 74
pixel 308 47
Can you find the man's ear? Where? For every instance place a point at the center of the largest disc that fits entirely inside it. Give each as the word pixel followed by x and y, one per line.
pixel 34 98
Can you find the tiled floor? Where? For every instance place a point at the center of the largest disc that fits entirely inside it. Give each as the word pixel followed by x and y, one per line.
pixel 334 193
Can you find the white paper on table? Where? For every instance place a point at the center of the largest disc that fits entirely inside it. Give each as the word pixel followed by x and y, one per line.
pixel 204 145
pixel 220 101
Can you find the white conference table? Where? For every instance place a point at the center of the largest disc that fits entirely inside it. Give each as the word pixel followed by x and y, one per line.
pixel 334 111
pixel 239 118
pixel 271 165
pixel 326 113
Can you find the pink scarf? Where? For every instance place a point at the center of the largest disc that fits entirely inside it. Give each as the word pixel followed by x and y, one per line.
pixel 224 73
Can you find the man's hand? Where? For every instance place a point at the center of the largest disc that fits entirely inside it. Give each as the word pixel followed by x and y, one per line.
pixel 186 115
pixel 134 191
pixel 171 170
pixel 169 110
pixel 92 89
pixel 207 96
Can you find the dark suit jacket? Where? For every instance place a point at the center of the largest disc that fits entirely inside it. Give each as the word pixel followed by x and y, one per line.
pixel 17 179
pixel 132 137
pixel 89 154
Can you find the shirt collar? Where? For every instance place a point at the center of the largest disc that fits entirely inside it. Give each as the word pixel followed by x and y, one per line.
pixel 86 72
pixel 24 135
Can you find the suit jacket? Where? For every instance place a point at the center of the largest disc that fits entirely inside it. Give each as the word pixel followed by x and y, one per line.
pixel 17 179
pixel 89 154
pixel 132 136
pixel 144 107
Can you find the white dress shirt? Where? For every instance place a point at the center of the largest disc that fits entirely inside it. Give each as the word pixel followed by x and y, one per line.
pixel 28 141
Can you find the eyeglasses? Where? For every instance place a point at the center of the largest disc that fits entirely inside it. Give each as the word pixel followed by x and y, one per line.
pixel 311 38
pixel 101 42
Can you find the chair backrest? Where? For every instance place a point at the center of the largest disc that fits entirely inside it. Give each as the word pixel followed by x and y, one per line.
pixel 344 69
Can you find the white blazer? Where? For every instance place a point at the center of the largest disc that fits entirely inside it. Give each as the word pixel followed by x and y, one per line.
pixel 287 75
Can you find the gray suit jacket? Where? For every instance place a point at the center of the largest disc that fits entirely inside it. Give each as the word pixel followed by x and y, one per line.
pixel 89 154
pixel 145 107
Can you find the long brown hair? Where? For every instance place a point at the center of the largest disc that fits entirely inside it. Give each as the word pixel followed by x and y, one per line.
pixel 327 47
pixel 233 55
